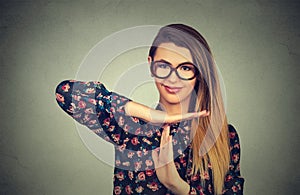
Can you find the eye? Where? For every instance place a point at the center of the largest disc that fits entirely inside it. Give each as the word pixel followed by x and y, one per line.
pixel 161 65
pixel 187 68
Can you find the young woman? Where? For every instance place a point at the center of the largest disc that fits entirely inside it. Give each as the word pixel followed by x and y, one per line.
pixel 185 145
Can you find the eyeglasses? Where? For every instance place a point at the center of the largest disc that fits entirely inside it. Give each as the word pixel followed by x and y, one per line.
pixel 185 71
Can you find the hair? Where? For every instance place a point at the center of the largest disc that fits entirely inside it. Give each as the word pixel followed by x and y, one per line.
pixel 210 143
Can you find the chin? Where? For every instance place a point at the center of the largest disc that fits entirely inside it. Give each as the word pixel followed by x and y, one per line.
pixel 173 100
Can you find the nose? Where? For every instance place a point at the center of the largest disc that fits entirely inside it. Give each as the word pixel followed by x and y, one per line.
pixel 173 77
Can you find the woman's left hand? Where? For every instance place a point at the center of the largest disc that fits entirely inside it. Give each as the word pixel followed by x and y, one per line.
pixel 165 166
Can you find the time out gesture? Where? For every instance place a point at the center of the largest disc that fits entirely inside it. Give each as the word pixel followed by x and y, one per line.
pixel 163 156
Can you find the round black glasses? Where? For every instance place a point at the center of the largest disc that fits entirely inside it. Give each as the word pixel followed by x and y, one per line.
pixel 185 71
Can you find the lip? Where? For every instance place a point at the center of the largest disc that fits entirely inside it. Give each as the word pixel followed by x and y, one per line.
pixel 171 89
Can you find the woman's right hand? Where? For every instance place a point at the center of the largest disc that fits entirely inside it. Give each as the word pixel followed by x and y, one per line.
pixel 163 117
pixel 159 117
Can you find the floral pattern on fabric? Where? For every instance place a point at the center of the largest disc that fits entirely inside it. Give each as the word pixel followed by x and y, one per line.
pixel 102 111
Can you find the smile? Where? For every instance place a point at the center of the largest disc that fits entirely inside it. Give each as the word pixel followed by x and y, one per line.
pixel 171 89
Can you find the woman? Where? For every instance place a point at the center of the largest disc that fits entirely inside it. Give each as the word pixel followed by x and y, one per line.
pixel 185 146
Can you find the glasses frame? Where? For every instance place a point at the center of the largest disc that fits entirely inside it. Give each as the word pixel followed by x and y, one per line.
pixel 174 69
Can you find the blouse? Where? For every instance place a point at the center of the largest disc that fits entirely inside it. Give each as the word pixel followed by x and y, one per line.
pixel 102 111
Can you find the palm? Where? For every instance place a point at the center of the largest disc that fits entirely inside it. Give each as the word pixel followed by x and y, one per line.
pixel 163 117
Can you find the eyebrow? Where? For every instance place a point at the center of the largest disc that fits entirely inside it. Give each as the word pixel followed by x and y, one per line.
pixel 165 61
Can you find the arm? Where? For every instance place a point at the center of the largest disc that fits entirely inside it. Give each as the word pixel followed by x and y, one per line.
pixel 93 106
pixel 107 113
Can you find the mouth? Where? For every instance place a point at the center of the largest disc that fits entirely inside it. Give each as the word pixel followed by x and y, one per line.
pixel 172 89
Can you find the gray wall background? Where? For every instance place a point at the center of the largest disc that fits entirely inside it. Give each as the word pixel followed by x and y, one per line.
pixel 256 46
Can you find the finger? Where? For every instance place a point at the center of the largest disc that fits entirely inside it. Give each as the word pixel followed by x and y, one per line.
pixel 170 149
pixel 186 116
pixel 166 152
pixel 170 140
pixel 155 157
pixel 203 113
pixel 165 134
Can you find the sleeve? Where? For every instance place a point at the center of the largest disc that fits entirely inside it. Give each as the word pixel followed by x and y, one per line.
pixel 92 105
pixel 234 183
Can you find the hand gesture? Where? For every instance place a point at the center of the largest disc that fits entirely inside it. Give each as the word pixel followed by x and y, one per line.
pixel 165 167
pixel 159 117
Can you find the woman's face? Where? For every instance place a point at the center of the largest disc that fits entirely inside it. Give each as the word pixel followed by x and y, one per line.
pixel 172 89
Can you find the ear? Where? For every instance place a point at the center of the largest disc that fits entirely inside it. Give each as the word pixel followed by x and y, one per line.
pixel 149 60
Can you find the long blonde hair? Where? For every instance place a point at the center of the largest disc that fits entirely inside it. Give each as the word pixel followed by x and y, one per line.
pixel 210 143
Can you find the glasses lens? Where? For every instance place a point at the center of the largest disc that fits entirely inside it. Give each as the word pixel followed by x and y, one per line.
pixel 186 71
pixel 161 69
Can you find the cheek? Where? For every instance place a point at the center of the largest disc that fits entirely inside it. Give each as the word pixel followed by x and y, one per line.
pixel 158 83
pixel 158 87
pixel 190 89
pixel 191 85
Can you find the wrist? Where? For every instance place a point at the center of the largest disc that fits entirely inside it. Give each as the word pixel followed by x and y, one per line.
pixel 175 181
pixel 179 186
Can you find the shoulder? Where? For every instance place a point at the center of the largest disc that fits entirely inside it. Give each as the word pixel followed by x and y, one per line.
pixel 233 135
pixel 231 128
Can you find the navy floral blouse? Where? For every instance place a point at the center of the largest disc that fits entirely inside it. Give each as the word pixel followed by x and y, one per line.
pixel 102 111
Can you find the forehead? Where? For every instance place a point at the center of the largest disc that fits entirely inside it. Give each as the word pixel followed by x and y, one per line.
pixel 173 53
